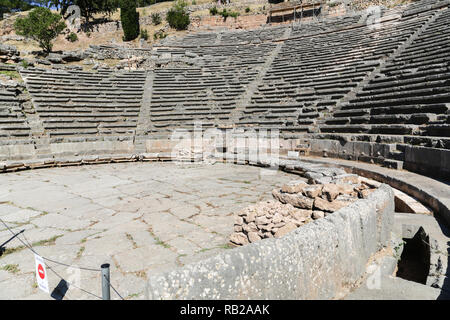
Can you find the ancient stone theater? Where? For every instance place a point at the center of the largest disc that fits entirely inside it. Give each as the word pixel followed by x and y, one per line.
pixel 299 150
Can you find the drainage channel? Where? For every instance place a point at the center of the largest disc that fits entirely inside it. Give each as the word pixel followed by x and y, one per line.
pixel 414 263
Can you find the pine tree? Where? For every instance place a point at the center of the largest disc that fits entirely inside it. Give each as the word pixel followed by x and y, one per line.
pixel 130 19
pixel 41 25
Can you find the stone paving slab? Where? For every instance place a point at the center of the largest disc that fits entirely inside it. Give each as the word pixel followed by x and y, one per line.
pixel 393 288
pixel 142 218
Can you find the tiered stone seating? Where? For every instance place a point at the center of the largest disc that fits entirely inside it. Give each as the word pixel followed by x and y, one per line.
pixel 76 103
pixel 313 26
pixel 16 140
pixel 191 40
pixel 262 34
pixel 410 95
pixel 234 37
pixel 311 74
pixel 208 92
pixel 269 33
pixel 13 123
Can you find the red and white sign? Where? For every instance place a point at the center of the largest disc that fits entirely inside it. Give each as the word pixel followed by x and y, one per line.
pixel 41 274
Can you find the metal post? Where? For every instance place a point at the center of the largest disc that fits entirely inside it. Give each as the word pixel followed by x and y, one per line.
pixel 106 294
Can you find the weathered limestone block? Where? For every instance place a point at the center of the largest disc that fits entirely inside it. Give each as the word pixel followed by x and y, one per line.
pixel 313 191
pixel 250 217
pixel 297 200
pixel 328 206
pixel 285 230
pixel 331 191
pixel 365 193
pixel 294 187
pixel 239 238
pixel 347 178
pixel 262 221
pixel 238 221
pixel 277 218
pixel 349 190
pixel 253 237
pixel 251 227
pixel 318 214
pixel 301 215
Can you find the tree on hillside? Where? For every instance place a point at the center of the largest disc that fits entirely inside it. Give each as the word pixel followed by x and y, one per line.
pixel 58 4
pixel 7 6
pixel 88 8
pixel 130 19
pixel 41 25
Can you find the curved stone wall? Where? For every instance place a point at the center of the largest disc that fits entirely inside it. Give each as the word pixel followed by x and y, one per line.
pixel 320 260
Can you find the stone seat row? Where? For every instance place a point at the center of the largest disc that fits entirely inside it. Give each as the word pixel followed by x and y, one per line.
pixel 73 103
pixel 13 123
pixel 206 93
pixel 408 90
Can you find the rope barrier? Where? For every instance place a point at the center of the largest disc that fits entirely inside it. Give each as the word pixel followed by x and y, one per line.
pixel 109 283
pixel 29 246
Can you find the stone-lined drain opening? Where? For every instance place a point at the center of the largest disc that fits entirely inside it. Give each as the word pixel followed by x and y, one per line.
pixel 414 264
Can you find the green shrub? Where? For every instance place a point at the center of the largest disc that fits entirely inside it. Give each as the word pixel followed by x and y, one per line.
pixel 144 34
pixel 213 11
pixel 156 18
pixel 41 25
pixel 130 19
pixel 247 10
pixel 234 14
pixel 24 64
pixel 159 34
pixel 194 2
pixel 177 17
pixel 225 14
pixel 72 37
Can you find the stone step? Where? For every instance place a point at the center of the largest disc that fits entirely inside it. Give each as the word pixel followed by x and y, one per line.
pixel 411 100
pixel 440 130
pixel 428 92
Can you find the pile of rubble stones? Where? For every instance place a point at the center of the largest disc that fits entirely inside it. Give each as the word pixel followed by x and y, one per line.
pixel 9 53
pixel 294 205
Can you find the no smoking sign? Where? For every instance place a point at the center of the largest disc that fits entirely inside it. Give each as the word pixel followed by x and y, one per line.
pixel 41 274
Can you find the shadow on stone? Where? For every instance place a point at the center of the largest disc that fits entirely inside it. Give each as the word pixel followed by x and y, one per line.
pixel 414 264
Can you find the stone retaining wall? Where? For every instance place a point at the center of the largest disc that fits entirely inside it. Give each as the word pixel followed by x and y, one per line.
pixel 429 161
pixel 241 22
pixel 320 260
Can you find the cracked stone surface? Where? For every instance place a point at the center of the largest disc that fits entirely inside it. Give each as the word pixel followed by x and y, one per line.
pixel 141 218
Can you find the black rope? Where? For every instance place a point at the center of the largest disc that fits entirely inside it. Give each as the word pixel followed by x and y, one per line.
pixel 29 246
pixel 71 284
